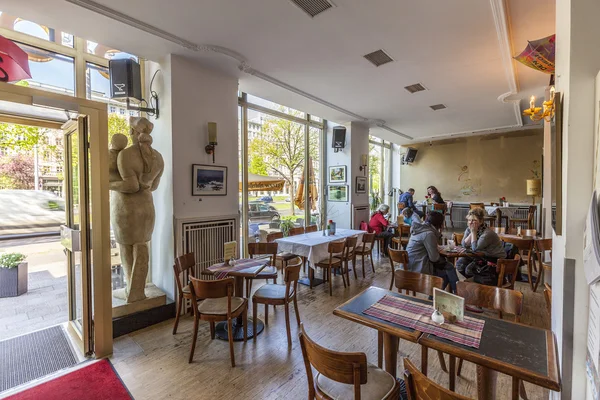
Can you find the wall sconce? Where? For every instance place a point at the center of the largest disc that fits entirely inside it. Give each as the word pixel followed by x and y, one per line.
pixel 545 112
pixel 212 139
pixel 364 162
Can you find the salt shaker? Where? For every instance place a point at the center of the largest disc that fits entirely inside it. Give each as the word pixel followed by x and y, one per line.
pixel 437 317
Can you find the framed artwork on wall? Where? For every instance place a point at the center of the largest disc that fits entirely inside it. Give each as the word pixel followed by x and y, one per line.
pixel 209 180
pixel 337 174
pixel 337 193
pixel 361 184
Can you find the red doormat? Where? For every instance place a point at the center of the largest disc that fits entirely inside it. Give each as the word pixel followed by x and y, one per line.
pixel 98 381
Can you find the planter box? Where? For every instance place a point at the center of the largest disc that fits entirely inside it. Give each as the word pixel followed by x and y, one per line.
pixel 13 281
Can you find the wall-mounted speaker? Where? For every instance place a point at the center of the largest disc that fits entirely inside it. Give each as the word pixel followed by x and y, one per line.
pixel 410 156
pixel 125 79
pixel 339 138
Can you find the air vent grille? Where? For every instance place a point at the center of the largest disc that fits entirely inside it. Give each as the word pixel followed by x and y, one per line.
pixel 437 107
pixel 313 7
pixel 378 58
pixel 417 87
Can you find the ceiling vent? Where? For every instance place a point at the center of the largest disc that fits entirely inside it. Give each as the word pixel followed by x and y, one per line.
pixel 313 7
pixel 417 87
pixel 378 58
pixel 437 107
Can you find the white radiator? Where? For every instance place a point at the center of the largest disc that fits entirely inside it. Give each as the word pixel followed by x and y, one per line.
pixel 459 215
pixel 359 214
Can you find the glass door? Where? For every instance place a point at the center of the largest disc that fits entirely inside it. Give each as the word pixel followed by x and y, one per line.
pixel 76 233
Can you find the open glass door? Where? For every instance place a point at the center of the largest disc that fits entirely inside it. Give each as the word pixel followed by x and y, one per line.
pixel 76 233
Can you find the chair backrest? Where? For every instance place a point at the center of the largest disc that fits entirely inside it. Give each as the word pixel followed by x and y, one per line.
pixel 183 264
pixel 291 275
pixel 311 228
pixel 257 249
pixel 498 230
pixel 548 297
pixel 400 220
pixel 202 289
pixel 348 368
pixel 458 238
pixel 420 387
pixel 368 238
pixel 542 246
pixel 350 245
pixel 336 247
pixel 417 282
pixel 476 205
pixel 405 230
pixel 271 237
pixel 296 231
pixel 439 207
pixel 398 256
pixel 521 243
pixel 531 216
pixel 495 298
pixel 508 268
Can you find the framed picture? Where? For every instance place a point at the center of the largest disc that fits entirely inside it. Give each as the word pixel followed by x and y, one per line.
pixel 337 174
pixel 209 180
pixel 361 184
pixel 337 193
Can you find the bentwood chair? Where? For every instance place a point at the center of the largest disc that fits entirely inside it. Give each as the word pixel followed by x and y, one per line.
pixel 508 270
pixel 419 387
pixel 458 238
pixel 284 257
pixel 280 295
pixel 344 375
pixel 491 221
pixel 269 272
pixel 183 264
pixel 296 231
pixel 218 304
pixel 348 255
pixel 402 240
pixel 541 247
pixel 366 249
pixel 399 257
pixel 494 298
pixel 528 222
pixel 311 228
pixel 525 247
pixel 330 263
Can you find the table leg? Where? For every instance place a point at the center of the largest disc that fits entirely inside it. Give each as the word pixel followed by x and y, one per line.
pixel 451 372
pixel 424 355
pixel 486 383
pixel 222 331
pixel 390 349
pixel 306 281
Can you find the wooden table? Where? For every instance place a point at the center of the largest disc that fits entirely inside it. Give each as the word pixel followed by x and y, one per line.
pixel 238 326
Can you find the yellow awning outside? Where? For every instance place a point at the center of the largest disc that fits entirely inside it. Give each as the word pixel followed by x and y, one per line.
pixel 263 183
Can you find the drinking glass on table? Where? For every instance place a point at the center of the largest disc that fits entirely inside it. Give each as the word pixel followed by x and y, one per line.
pixel 451 244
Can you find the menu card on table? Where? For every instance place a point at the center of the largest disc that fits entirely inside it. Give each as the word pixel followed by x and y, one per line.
pixel 229 251
pixel 450 303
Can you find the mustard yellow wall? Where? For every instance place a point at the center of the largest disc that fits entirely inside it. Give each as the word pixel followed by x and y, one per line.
pixel 479 168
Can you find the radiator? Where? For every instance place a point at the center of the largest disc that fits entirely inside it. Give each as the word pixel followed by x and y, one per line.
pixel 459 215
pixel 359 214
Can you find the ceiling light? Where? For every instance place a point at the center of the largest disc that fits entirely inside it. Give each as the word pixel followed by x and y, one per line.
pixel 417 87
pixel 378 58
pixel 437 107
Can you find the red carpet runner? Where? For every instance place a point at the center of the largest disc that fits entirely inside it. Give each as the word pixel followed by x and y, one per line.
pixel 98 381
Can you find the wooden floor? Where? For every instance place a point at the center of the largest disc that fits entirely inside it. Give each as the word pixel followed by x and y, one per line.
pixel 153 362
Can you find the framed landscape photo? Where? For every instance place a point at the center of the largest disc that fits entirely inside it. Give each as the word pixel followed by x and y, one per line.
pixel 337 193
pixel 209 180
pixel 361 184
pixel 337 174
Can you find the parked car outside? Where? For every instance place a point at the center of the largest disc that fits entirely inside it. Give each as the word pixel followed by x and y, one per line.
pixel 266 199
pixel 262 212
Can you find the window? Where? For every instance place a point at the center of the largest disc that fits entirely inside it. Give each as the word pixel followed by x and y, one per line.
pixel 35 30
pixel 50 71
pixel 275 106
pixel 107 52
pixel 122 111
pixel 98 83
pixel 112 109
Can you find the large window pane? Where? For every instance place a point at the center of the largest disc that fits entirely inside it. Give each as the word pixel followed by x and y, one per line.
pixel 375 175
pixel 50 71
pixel 34 29
pixel 274 106
pixel 314 176
pixel 107 52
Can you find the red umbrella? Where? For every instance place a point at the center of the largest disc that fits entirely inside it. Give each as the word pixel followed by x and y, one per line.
pixel 14 63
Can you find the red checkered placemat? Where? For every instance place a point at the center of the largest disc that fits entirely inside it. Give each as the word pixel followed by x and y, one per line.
pixel 221 270
pixel 418 316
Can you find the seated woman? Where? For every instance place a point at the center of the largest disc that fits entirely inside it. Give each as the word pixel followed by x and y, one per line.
pixel 480 239
pixel 410 216
pixel 423 254
pixel 378 224
pixel 435 194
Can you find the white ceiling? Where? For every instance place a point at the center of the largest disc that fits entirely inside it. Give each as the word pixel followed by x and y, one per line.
pixel 451 47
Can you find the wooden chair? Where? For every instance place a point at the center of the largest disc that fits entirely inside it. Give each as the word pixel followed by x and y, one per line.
pixel 331 263
pixel 183 264
pixel 218 304
pixel 419 387
pixel 458 238
pixel 280 295
pixel 448 213
pixel 476 205
pixel 283 257
pixel 296 231
pixel 366 249
pixel 491 221
pixel 402 240
pixel 270 272
pixel 344 375
pixel 399 257
pixel 499 230
pixel 311 228
pixel 529 221
pixel 348 255
pixel 525 247
pixel 495 298
pixel 541 247
pixel 506 268
pixel 441 208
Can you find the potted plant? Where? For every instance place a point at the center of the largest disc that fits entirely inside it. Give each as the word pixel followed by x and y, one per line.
pixel 13 275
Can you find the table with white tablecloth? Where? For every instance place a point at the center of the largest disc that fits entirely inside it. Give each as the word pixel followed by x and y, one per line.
pixel 499 212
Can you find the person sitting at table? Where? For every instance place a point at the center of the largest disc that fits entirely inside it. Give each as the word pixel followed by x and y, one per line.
pixel 435 195
pixel 479 238
pixel 423 254
pixel 407 199
pixel 378 224
pixel 410 216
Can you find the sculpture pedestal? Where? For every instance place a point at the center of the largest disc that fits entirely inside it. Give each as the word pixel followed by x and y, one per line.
pixel 154 298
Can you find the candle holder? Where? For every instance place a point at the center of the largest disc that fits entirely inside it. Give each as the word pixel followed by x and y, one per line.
pixel 212 140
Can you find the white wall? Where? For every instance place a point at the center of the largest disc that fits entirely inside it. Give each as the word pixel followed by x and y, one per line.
pixel 360 145
pixel 340 212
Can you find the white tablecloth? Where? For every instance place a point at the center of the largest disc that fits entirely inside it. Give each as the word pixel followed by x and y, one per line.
pixel 506 211
pixel 313 245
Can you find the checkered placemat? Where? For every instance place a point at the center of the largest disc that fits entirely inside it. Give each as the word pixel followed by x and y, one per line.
pixel 221 270
pixel 418 317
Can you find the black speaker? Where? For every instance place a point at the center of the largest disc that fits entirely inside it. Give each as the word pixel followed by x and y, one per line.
pixel 125 79
pixel 410 156
pixel 339 137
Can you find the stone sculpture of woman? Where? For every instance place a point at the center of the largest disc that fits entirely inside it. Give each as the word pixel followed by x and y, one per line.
pixel 132 208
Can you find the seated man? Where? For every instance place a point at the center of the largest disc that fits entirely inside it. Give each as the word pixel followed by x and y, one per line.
pixel 407 199
pixel 378 224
